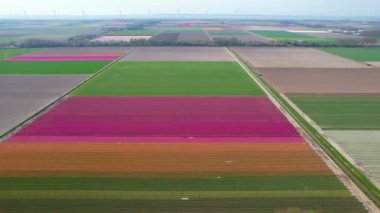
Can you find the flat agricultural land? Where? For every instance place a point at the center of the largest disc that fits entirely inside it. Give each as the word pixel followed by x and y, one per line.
pixel 337 112
pixel 51 67
pixel 124 38
pixel 137 32
pixel 23 95
pixel 160 78
pixel 6 53
pixel 178 117
pixel 362 145
pixel 170 129
pixel 293 58
pixel 184 30
pixel 166 37
pixel 84 50
pixel 179 54
pixel 358 54
pixel 290 36
pixel 191 37
pixel 327 81
pixel 243 38
pixel 228 32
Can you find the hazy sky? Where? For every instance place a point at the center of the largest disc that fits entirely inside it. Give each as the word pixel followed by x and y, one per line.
pixel 253 7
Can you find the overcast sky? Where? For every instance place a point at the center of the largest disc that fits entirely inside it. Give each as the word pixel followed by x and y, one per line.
pixel 252 7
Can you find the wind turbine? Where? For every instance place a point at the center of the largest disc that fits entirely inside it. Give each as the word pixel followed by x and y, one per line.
pixel 54 14
pixel 25 15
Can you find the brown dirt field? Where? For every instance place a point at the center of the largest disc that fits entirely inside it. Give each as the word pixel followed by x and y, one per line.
pixel 261 57
pixel 168 160
pixel 179 54
pixel 337 81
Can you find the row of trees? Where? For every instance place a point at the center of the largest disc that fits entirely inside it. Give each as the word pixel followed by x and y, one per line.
pixel 86 40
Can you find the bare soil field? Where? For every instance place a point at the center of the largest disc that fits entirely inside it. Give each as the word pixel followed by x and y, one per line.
pixel 179 54
pixel 294 57
pixel 23 95
pixel 193 37
pixel 314 80
pixel 363 145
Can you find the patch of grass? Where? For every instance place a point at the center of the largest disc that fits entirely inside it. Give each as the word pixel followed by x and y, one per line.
pixel 171 79
pixel 341 112
pixel 51 67
pixel 6 53
pixel 137 32
pixel 358 54
pixel 259 183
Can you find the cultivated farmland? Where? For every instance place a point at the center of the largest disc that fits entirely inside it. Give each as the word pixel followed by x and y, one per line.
pixel 323 81
pixel 293 58
pixel 159 78
pixel 179 54
pixel 21 96
pixel 171 129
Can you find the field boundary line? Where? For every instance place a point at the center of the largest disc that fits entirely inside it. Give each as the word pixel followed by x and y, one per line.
pixel 365 188
pixel 56 101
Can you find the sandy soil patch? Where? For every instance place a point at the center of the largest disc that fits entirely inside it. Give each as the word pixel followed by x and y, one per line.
pixel 294 57
pixel 179 54
pixel 302 80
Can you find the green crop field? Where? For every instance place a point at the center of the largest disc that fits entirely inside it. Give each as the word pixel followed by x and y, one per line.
pixel 358 54
pixel 289 36
pixel 6 53
pixel 171 79
pixel 341 112
pixel 228 204
pixel 258 183
pixel 137 32
pixel 51 67
pixel 228 32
